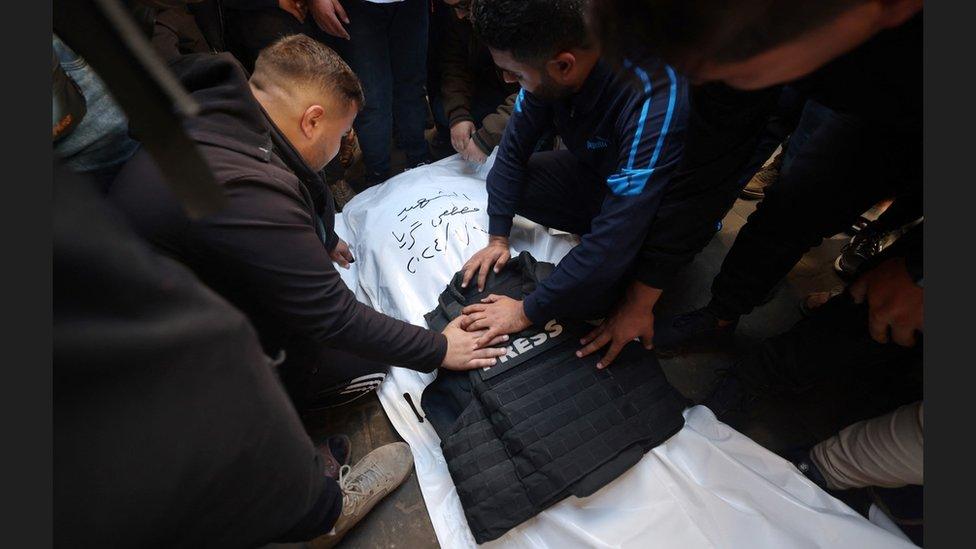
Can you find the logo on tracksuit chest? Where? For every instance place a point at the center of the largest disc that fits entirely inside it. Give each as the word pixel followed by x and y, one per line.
pixel 597 143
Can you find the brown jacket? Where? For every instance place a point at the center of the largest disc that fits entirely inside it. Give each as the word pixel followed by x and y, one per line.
pixel 466 66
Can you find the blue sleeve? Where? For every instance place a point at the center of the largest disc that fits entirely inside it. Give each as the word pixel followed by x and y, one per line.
pixel 651 142
pixel 531 116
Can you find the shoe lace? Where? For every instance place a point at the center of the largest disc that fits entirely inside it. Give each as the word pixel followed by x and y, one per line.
pixel 360 485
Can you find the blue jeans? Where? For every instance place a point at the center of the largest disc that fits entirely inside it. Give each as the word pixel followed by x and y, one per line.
pixel 388 51
pixel 101 143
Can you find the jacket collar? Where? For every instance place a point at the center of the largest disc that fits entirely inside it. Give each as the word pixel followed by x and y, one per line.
pixel 587 98
pixel 310 179
pixel 231 118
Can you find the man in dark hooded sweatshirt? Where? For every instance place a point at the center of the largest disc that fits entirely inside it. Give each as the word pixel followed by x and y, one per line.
pixel 270 251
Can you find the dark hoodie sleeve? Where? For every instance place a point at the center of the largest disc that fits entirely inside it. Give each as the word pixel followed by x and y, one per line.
pixel 530 117
pixel 265 238
pixel 651 142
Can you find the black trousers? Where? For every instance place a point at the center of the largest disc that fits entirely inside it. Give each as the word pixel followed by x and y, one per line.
pixel 318 377
pixel 836 167
pixel 828 372
pixel 560 193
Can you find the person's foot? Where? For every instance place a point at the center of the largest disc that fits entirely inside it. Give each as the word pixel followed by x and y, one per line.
pixel 755 189
pixel 335 453
pixel 682 333
pixel 865 245
pixel 800 458
pixel 364 484
pixel 342 193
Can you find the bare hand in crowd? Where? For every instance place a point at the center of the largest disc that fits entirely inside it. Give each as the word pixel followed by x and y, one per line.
pixel 494 254
pixel 461 135
pixel 329 15
pixel 498 314
pixel 633 319
pixel 895 302
pixel 473 153
pixel 463 350
pixel 298 8
pixel 342 255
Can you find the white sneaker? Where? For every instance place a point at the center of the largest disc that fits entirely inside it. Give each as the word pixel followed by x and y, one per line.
pixel 364 484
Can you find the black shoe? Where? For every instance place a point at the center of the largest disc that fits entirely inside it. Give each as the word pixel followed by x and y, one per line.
pixel 865 245
pixel 800 458
pixel 679 334
pixel 341 448
pixel 335 453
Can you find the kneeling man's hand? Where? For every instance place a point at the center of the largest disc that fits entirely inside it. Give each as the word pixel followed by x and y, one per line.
pixel 494 254
pixel 463 350
pixel 896 304
pixel 634 318
pixel 497 314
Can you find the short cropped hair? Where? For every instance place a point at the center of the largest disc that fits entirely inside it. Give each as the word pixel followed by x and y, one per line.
pixel 687 33
pixel 308 62
pixel 530 30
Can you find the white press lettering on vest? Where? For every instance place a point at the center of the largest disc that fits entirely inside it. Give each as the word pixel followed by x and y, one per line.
pixel 523 344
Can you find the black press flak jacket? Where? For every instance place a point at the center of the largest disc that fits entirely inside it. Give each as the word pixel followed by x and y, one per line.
pixel 542 424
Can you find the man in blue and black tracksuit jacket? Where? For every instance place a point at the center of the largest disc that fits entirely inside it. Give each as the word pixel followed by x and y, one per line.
pixel 623 134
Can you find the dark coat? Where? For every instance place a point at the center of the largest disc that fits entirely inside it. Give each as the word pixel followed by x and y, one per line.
pixel 264 251
pixel 466 65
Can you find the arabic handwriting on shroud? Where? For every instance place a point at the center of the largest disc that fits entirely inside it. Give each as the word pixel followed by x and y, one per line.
pixel 412 240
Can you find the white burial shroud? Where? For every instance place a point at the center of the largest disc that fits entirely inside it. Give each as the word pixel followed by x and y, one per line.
pixel 707 486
